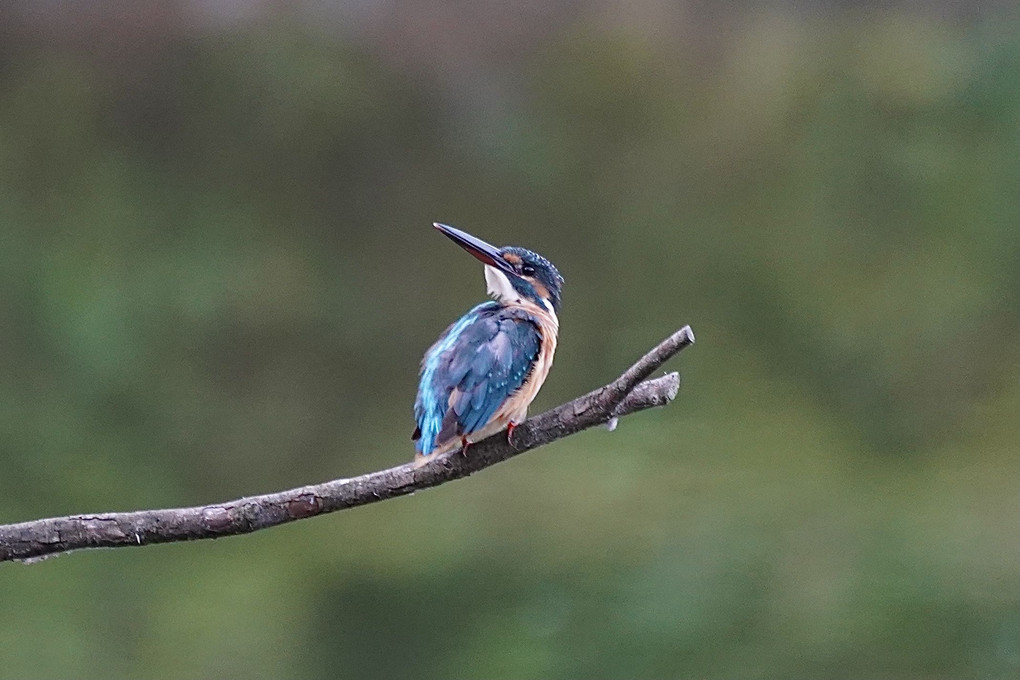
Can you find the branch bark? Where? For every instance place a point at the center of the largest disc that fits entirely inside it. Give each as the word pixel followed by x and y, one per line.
pixel 631 392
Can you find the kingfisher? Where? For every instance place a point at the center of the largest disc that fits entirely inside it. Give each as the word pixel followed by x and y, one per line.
pixel 483 372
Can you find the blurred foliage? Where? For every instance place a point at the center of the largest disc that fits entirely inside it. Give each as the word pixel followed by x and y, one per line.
pixel 218 278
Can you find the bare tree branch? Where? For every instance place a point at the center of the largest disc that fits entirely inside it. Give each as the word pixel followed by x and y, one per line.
pixel 629 393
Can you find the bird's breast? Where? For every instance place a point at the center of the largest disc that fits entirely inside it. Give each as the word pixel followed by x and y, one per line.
pixel 516 406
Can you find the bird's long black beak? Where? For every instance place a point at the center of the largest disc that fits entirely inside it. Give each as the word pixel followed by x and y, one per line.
pixel 483 251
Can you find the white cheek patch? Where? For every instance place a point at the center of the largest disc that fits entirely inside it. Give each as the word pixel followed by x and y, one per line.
pixel 552 312
pixel 498 285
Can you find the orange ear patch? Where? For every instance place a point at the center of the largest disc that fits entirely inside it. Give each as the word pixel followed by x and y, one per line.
pixel 539 287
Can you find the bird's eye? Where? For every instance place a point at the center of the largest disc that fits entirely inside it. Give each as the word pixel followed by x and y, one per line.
pixel 527 270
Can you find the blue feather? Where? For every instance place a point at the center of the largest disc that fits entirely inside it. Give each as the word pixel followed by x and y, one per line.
pixel 485 356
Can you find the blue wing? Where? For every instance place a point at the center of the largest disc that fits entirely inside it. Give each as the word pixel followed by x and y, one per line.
pixel 471 370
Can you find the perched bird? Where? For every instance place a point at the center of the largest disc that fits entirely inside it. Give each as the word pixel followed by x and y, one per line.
pixel 483 372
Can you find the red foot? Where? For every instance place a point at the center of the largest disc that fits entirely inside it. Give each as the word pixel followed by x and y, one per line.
pixel 463 446
pixel 510 432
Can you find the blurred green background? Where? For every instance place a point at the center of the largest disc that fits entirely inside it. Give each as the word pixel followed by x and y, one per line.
pixel 218 275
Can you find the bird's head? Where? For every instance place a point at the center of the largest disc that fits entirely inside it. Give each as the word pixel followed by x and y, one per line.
pixel 512 273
